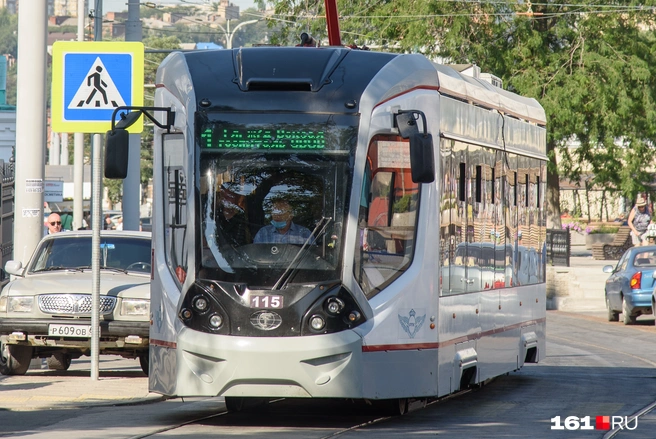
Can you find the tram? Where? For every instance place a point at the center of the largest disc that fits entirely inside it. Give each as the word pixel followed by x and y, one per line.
pixel 339 223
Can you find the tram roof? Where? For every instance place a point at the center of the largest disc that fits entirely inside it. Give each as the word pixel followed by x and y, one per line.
pixel 483 93
pixel 323 68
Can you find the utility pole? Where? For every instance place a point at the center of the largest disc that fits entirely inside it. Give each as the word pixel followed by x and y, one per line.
pixel 97 21
pixel 132 183
pixel 30 129
pixel 229 35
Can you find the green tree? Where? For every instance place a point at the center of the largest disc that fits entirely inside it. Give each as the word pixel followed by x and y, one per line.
pixel 152 61
pixel 8 32
pixel 592 67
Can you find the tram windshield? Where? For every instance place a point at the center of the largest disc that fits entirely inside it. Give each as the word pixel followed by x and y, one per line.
pixel 274 196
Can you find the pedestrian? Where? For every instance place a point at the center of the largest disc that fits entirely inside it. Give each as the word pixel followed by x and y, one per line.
pixel 108 224
pixel 67 220
pixel 54 224
pixel 639 220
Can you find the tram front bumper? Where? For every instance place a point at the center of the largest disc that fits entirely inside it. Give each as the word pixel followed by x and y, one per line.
pixel 319 366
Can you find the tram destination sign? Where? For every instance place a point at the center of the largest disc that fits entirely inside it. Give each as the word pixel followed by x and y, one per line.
pixel 265 138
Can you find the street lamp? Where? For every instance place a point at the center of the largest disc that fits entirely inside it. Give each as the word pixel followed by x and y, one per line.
pixel 229 34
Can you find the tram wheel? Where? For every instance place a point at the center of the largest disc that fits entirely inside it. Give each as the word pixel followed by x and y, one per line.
pixel 395 407
pixel 234 403
pixel 239 403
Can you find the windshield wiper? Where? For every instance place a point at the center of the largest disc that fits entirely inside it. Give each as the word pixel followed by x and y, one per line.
pixel 120 270
pixel 102 267
pixel 293 266
pixel 52 268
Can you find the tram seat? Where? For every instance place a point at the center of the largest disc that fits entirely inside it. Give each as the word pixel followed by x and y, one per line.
pixel 458 261
pixel 471 261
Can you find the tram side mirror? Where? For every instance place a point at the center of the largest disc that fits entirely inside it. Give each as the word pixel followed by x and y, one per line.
pixel 422 163
pixel 117 142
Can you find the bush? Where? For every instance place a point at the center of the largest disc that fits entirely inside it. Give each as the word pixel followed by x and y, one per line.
pixel 603 229
pixel 573 226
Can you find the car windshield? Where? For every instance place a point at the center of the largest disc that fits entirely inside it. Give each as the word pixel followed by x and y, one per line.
pixel 645 259
pixel 74 252
pixel 274 198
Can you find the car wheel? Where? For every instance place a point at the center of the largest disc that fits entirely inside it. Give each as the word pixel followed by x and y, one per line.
pixel 144 362
pixel 613 316
pixel 59 361
pixel 627 318
pixel 14 359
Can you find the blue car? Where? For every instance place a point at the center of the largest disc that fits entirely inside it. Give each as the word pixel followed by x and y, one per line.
pixel 630 285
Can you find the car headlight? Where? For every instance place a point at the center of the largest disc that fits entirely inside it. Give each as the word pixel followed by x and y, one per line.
pixel 135 307
pixel 20 303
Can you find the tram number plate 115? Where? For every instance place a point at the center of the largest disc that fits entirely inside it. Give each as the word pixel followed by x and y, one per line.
pixel 271 301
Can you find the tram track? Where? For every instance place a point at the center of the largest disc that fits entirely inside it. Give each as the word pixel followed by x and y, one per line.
pixel 317 415
pixel 227 419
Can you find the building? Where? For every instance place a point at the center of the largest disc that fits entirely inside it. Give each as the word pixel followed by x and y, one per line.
pixel 7 117
pixel 227 10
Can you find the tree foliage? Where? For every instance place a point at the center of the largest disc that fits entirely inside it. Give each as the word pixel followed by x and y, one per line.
pixel 592 67
pixel 8 32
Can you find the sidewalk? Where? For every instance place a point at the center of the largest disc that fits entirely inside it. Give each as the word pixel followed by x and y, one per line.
pixel 581 285
pixel 43 389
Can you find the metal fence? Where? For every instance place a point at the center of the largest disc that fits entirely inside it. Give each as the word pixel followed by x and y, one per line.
pixel 558 247
pixel 6 215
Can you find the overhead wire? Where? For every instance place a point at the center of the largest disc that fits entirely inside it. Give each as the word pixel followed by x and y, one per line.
pixel 408 18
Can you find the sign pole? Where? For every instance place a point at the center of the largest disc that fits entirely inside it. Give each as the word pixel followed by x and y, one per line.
pixel 96 219
pixel 89 81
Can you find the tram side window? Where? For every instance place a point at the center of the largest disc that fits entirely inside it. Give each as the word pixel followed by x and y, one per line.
pixel 388 215
pixel 175 205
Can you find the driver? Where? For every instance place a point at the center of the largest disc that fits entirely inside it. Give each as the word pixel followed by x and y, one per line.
pixel 282 230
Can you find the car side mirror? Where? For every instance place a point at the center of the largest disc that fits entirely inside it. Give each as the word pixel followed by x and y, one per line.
pixel 14 267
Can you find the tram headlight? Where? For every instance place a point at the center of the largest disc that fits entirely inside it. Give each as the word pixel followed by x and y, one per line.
pixel 333 311
pixel 334 305
pixel 200 304
pixel 216 321
pixel 354 316
pixel 317 323
pixel 201 309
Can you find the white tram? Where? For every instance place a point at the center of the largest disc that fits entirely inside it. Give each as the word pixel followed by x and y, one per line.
pixel 418 196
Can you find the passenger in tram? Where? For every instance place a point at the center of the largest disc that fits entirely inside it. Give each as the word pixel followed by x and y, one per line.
pixel 282 229
pixel 232 219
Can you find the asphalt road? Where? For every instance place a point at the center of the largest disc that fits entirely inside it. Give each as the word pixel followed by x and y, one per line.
pixel 593 368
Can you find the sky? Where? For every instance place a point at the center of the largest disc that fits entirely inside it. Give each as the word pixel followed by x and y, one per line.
pixel 121 5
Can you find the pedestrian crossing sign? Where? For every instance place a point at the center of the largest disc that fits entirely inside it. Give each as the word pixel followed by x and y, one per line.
pixel 90 79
